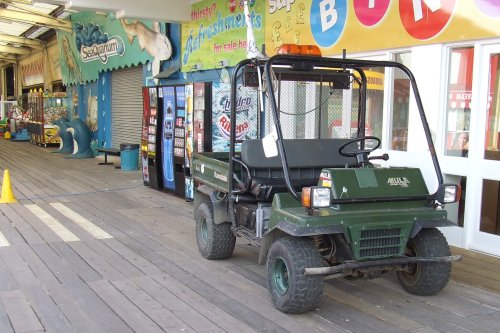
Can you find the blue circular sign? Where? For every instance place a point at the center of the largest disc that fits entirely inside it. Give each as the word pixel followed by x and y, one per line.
pixel 328 20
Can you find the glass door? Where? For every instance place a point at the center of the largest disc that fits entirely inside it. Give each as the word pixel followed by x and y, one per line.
pixel 485 153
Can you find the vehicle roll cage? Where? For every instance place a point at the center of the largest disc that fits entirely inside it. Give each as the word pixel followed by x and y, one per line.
pixel 308 63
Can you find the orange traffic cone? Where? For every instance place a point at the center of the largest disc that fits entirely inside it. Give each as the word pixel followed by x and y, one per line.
pixel 7 195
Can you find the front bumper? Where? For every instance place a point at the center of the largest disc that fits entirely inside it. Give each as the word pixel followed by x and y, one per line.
pixel 350 266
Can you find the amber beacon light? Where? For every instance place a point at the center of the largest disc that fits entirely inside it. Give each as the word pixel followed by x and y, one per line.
pixel 311 50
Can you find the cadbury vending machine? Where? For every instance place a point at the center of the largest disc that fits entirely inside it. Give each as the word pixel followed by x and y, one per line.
pixel 202 117
pixel 180 140
pixel 150 158
pixel 197 126
pixel 188 129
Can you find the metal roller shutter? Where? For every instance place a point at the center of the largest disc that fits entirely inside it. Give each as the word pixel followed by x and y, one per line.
pixel 126 106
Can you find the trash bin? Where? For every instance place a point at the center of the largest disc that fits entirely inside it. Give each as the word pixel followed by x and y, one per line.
pixel 129 154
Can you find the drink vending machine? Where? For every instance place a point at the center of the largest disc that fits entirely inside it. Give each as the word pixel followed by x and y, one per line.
pixel 173 127
pixel 150 158
pixel 198 127
pixel 176 122
pixel 202 117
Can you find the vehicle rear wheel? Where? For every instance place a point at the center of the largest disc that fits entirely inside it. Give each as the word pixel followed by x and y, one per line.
pixel 426 279
pixel 215 241
pixel 291 290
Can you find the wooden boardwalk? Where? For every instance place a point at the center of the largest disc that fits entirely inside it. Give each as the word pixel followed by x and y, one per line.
pixel 88 248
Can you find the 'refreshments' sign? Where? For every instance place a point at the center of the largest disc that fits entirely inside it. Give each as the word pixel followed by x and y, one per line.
pixel 217 33
pixel 96 45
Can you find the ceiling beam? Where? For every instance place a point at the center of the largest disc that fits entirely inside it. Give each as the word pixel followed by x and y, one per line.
pixel 6 61
pixel 156 10
pixel 24 2
pixel 4 64
pixel 36 19
pixel 33 43
pixel 14 50
pixel 8 57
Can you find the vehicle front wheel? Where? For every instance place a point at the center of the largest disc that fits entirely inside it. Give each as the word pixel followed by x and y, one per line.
pixel 291 290
pixel 426 279
pixel 215 241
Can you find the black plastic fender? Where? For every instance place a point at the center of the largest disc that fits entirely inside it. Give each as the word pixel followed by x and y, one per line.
pixel 425 224
pixel 217 199
pixel 287 228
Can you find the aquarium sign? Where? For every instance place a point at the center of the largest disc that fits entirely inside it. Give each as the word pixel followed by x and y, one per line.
pixel 96 45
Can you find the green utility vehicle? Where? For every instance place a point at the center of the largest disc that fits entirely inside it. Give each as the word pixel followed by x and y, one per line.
pixel 306 189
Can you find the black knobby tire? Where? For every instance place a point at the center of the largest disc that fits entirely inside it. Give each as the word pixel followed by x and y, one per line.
pixel 425 279
pixel 215 241
pixel 291 290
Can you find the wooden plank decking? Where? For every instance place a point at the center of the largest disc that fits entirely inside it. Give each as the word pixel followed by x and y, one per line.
pixel 140 270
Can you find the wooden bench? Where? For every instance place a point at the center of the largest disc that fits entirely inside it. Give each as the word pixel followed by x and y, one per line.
pixel 110 151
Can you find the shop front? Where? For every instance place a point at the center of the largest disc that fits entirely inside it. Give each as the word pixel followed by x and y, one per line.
pixel 453 48
pixel 481 156
pixel 105 62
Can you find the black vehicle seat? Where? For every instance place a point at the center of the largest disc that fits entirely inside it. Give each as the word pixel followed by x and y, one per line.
pixel 306 158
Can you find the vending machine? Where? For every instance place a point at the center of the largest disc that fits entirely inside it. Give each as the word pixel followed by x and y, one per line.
pixel 188 129
pixel 150 139
pixel 198 127
pixel 176 123
pixel 246 108
pixel 167 141
pixel 202 117
pixel 173 142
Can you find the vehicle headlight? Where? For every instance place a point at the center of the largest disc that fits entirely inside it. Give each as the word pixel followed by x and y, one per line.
pixel 316 197
pixel 449 193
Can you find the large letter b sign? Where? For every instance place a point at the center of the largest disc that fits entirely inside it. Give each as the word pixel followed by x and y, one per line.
pixel 328 14
pixel 328 18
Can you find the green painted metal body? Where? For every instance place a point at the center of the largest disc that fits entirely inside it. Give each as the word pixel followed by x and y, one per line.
pixel 374 230
pixel 211 169
pixel 375 183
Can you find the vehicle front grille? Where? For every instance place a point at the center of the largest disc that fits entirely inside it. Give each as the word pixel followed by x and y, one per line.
pixel 379 243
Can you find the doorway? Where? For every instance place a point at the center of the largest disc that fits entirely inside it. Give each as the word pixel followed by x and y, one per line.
pixel 484 181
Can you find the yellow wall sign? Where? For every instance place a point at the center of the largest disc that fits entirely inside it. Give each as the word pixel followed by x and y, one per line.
pixel 365 25
pixel 216 36
pixel 374 80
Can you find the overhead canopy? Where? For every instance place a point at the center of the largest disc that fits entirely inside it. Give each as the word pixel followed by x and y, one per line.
pixel 23 22
pixel 155 10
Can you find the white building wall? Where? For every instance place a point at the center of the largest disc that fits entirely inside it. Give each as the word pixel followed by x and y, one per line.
pixel 430 65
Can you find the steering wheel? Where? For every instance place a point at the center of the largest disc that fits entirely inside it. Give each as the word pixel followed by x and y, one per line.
pixel 360 154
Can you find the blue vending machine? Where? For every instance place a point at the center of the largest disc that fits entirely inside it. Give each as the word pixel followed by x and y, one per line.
pixel 167 141
pixel 173 140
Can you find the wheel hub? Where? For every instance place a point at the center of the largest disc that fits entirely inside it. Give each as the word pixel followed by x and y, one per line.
pixel 204 231
pixel 280 276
